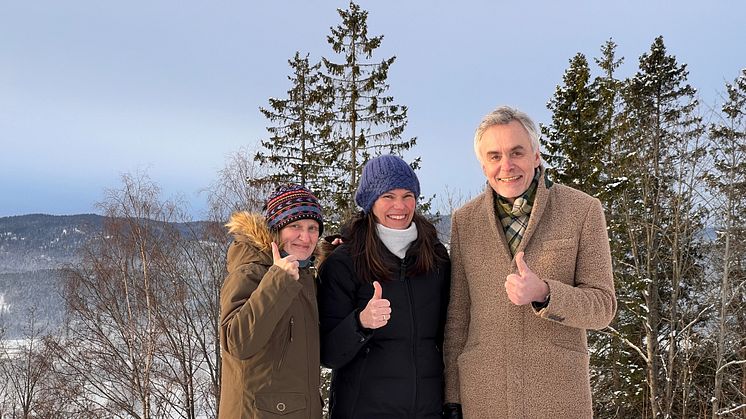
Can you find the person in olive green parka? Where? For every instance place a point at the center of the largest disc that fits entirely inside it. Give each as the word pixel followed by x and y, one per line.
pixel 269 333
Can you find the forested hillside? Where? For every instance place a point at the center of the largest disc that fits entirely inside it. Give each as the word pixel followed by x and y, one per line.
pixel 39 241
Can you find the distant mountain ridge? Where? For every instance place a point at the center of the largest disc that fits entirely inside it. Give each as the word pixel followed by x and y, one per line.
pixel 34 248
pixel 39 241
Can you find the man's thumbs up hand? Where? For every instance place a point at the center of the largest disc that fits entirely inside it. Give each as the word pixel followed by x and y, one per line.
pixel 378 311
pixel 523 269
pixel 525 287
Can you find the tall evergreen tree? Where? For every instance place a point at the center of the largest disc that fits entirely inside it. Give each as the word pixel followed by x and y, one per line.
pixel 297 150
pixel 367 121
pixel 574 138
pixel 608 88
pixel 659 150
pixel 617 372
pixel 729 183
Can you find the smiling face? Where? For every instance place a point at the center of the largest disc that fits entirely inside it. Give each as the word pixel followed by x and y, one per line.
pixel 395 208
pixel 508 160
pixel 299 238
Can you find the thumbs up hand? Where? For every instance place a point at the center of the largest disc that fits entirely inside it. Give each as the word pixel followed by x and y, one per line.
pixel 288 263
pixel 378 311
pixel 525 287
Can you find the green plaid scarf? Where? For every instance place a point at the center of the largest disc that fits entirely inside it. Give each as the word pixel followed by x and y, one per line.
pixel 514 217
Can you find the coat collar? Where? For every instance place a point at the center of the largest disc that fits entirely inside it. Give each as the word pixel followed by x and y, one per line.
pixel 540 203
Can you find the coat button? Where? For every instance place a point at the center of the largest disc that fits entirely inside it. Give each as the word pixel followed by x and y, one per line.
pixel 281 407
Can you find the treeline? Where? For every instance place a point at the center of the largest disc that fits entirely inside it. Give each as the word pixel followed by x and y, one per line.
pixel 671 175
pixel 140 337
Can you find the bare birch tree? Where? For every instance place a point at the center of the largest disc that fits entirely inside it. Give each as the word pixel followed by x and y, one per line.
pixel 113 299
pixel 25 368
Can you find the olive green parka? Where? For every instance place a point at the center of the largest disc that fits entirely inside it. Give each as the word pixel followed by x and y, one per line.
pixel 269 332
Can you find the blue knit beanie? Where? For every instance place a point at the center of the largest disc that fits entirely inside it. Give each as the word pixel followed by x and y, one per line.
pixel 290 203
pixel 382 174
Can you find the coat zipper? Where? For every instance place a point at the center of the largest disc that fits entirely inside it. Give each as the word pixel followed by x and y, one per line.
pixel 287 344
pixel 402 277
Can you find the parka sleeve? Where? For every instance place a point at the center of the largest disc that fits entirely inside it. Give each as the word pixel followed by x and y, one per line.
pixel 253 299
pixel 342 337
pixel 457 319
pixel 591 302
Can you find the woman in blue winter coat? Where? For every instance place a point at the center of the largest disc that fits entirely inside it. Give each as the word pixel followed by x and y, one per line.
pixel 383 296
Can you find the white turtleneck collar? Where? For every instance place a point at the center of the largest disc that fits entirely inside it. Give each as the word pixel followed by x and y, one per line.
pixel 397 241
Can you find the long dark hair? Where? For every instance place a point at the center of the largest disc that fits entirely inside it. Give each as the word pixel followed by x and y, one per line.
pixel 373 262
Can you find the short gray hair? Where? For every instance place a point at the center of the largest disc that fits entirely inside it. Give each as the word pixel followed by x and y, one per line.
pixel 504 115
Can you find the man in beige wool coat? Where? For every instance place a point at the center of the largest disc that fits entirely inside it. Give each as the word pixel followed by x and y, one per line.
pixel 531 272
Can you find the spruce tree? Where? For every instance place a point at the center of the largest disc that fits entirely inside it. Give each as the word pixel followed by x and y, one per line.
pixel 367 122
pixel 728 181
pixel 617 372
pixel 574 138
pixel 296 150
pixel 608 89
pixel 659 150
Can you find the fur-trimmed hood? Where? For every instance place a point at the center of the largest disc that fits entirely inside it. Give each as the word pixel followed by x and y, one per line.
pixel 252 240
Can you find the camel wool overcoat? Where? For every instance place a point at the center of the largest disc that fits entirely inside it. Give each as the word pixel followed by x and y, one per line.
pixel 509 361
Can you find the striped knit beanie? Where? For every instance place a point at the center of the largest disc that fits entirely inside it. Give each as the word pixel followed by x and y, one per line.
pixel 382 174
pixel 291 203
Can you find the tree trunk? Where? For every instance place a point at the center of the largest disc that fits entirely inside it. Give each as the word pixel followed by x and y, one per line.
pixel 651 335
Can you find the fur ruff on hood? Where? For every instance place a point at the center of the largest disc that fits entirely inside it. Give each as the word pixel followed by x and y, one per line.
pixel 250 227
pixel 252 240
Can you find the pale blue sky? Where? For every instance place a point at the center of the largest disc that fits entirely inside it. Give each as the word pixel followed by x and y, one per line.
pixel 90 90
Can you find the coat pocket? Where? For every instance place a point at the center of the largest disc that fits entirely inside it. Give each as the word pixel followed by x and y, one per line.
pixel 571 346
pixel 557 260
pixel 281 404
pixel 286 343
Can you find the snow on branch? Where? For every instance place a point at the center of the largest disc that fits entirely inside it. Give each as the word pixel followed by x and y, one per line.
pixel 616 333
pixel 731 410
pixel 728 364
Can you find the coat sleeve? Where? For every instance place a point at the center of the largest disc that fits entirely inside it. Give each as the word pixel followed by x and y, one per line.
pixel 341 335
pixel 591 302
pixel 253 299
pixel 457 319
